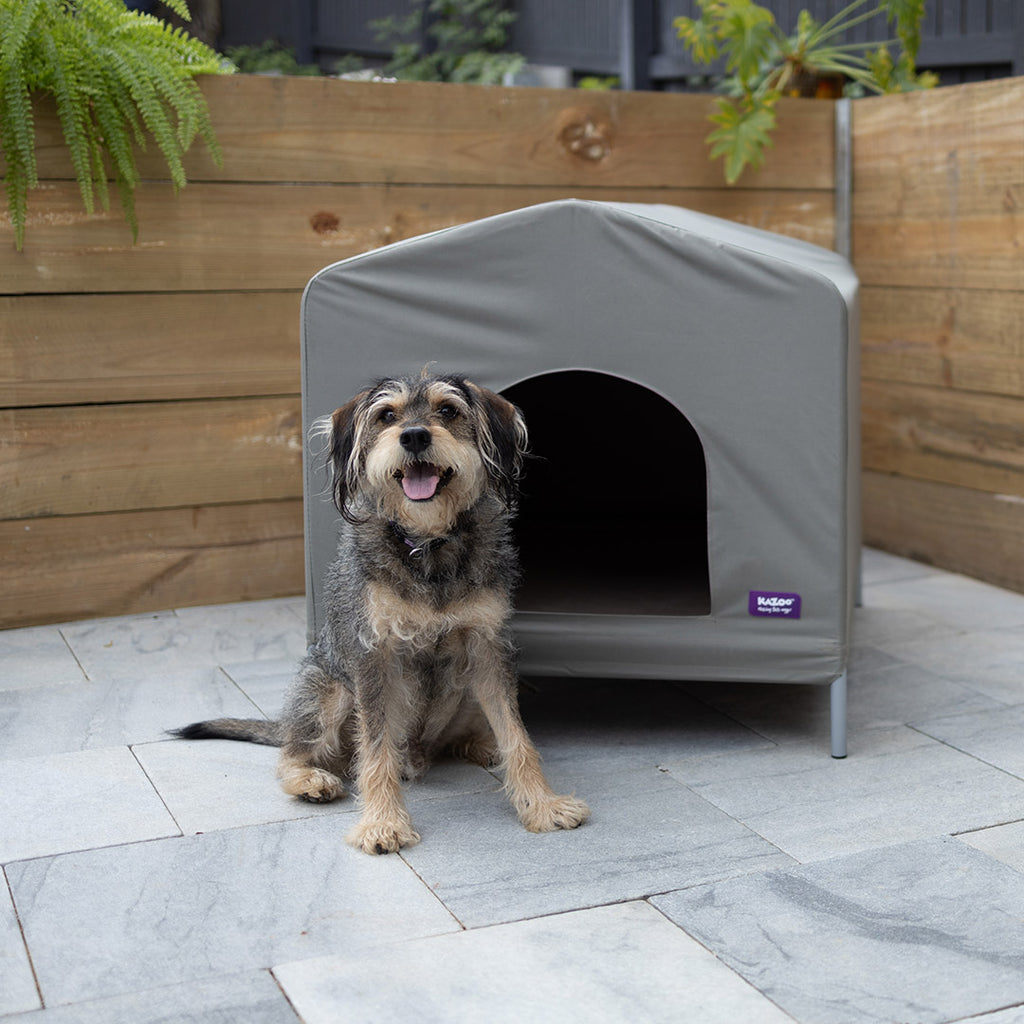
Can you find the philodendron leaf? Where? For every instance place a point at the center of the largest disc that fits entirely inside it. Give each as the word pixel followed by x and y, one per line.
pixel 907 15
pixel 699 36
pixel 748 35
pixel 743 134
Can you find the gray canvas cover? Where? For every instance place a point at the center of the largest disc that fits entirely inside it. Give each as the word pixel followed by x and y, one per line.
pixel 749 335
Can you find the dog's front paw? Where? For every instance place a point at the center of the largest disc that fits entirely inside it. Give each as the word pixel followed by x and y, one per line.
pixel 553 813
pixel 382 836
pixel 312 784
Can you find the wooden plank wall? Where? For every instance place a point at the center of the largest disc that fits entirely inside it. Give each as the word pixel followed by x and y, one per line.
pixel 149 395
pixel 938 242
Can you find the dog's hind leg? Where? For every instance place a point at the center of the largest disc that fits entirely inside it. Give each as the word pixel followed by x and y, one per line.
pixel 540 809
pixel 317 746
pixel 299 777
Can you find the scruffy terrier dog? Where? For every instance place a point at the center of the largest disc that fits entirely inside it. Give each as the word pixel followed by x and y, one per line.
pixel 416 656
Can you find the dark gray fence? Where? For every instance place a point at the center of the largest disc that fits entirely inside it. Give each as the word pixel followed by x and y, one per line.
pixel 963 40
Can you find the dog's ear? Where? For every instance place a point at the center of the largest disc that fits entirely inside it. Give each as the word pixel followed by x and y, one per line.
pixel 342 458
pixel 503 441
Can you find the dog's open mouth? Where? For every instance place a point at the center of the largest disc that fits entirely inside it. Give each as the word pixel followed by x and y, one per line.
pixel 422 480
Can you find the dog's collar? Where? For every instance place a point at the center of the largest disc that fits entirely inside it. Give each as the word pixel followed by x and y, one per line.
pixel 416 547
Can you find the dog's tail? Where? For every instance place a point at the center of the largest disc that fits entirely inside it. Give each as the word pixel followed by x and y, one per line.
pixel 250 730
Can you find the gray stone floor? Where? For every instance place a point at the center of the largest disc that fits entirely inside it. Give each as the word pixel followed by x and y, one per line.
pixel 732 871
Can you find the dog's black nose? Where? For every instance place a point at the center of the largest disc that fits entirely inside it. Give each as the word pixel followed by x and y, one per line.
pixel 415 439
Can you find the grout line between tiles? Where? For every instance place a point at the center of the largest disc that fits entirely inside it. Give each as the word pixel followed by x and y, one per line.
pixel 718 959
pixel 72 652
pixel 24 940
pixel 159 795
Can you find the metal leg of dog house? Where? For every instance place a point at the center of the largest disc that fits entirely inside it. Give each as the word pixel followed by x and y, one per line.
pixel 837 695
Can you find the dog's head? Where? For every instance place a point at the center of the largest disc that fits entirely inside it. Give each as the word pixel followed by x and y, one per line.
pixel 419 451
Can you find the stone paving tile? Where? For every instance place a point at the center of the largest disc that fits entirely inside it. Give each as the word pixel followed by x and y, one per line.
pixel 264 682
pixel 36 656
pixel 112 921
pixel 920 933
pixel 1011 1015
pixel 881 567
pixel 880 627
pixel 883 692
pixel 252 998
pixel 647 834
pixel 988 661
pixel 76 801
pixel 993 736
pixel 189 638
pixel 108 713
pixel 217 784
pixel 814 807
pixel 578 966
pixel 1003 842
pixel 18 989
pixel 626 722
pixel 958 602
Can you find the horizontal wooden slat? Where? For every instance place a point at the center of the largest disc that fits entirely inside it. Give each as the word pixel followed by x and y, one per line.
pixel 323 130
pixel 73 349
pixel 950 252
pixel 968 531
pixel 947 436
pixel 959 338
pixel 915 152
pixel 60 569
pixel 230 237
pixel 97 458
pixel 938 187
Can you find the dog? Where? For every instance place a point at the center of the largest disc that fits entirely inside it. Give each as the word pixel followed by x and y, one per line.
pixel 416 656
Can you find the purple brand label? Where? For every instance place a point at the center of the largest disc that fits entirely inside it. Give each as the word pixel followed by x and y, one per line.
pixel 771 604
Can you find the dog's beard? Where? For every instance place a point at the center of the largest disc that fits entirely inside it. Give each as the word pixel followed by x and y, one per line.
pixel 425 495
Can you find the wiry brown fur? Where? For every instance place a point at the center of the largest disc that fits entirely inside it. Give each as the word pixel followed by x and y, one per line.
pixel 415 657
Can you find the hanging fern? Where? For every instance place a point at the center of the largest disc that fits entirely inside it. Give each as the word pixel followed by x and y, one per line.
pixel 118 78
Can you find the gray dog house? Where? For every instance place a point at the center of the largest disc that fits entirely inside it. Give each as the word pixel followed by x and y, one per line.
pixel 690 388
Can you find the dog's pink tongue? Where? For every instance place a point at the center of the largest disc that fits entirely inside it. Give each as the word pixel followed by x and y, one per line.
pixel 420 481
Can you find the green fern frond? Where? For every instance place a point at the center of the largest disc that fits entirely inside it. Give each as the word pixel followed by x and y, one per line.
pixel 17 141
pixel 17 28
pixel 180 8
pixel 119 80
pixel 73 111
pixel 152 111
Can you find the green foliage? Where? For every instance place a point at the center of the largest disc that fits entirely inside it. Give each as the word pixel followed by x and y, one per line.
pixel 744 132
pixel 763 64
pixel 268 58
pixel 117 77
pixel 598 83
pixel 450 41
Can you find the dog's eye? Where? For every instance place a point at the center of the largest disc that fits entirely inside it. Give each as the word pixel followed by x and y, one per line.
pixel 386 416
pixel 447 412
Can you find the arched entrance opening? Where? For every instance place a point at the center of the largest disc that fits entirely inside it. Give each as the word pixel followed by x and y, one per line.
pixel 613 515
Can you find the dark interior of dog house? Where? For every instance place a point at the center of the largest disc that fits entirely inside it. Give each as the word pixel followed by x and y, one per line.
pixel 613 512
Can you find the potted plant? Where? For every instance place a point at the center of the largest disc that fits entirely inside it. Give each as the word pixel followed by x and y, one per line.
pixel 763 63
pixel 117 78
pixel 451 41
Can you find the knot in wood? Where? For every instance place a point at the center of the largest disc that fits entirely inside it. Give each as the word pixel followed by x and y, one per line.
pixel 324 223
pixel 586 139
